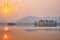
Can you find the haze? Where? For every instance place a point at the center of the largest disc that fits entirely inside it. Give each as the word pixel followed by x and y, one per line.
pixel 38 8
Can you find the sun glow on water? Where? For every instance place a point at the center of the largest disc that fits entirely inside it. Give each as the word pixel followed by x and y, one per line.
pixel 5 36
pixel 6 28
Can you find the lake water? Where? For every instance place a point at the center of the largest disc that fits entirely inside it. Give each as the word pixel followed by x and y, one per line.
pixel 29 33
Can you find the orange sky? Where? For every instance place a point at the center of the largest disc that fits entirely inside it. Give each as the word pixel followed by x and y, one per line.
pixel 38 8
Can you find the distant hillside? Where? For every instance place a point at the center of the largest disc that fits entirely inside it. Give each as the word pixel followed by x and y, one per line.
pixel 32 19
pixel 28 19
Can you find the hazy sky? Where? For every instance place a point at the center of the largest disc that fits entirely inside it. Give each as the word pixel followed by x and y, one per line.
pixel 38 8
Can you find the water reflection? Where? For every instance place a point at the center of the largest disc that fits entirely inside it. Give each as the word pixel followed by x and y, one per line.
pixel 5 36
pixel 5 33
pixel 29 33
pixel 6 28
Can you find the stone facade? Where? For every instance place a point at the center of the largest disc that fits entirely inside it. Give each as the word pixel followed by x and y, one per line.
pixel 45 23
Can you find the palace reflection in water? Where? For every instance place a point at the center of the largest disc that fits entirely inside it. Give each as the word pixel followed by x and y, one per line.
pixel 29 33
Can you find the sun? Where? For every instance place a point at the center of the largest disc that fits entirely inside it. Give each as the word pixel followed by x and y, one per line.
pixel 8 8
pixel 5 9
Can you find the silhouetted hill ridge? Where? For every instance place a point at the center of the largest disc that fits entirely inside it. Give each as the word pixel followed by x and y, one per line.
pixel 28 19
pixel 32 19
